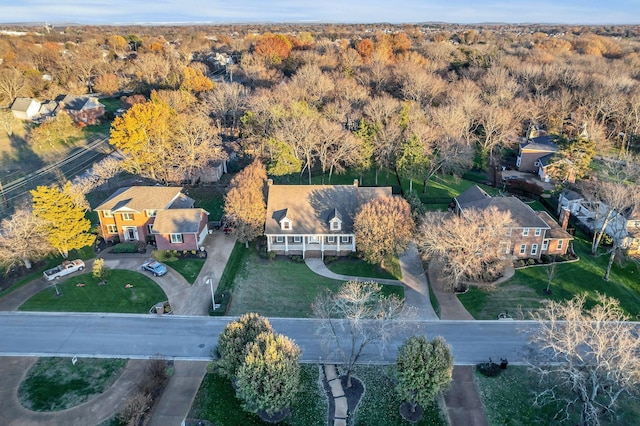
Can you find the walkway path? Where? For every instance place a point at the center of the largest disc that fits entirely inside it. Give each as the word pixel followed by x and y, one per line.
pixel 413 278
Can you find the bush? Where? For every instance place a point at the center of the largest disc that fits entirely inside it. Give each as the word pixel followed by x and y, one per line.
pixel 330 259
pixel 296 258
pixel 531 261
pixel 224 300
pixel 125 248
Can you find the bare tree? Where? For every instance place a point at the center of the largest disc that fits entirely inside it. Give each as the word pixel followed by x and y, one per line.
pixel 12 84
pixel 22 240
pixel 591 353
pixel 7 121
pixel 356 317
pixel 468 246
pixel 227 103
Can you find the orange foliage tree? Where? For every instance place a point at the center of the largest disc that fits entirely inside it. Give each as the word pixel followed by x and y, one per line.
pixel 273 47
pixel 365 48
pixel 194 80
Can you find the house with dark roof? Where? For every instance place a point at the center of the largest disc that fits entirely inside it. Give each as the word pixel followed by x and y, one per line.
pixel 25 108
pixel 532 150
pixel 529 235
pixel 83 109
pixel 315 220
pixel 153 213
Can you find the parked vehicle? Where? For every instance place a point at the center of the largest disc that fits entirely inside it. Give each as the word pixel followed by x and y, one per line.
pixel 65 268
pixel 155 267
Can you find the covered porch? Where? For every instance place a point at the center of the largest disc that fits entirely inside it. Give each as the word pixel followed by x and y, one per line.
pixel 314 245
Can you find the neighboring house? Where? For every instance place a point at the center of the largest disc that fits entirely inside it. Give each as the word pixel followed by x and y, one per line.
pixel 547 163
pixel 212 172
pixel 532 150
pixel 83 109
pixel 48 109
pixel 144 213
pixel 25 108
pixel 625 226
pixel 315 220
pixel 529 235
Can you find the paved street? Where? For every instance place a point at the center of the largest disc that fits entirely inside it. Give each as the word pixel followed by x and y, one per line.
pixel 192 338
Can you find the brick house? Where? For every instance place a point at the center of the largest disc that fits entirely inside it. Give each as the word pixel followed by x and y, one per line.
pixel 530 234
pixel 82 109
pixel 144 213
pixel 315 220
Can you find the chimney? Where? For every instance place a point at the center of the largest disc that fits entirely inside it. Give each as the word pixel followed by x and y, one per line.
pixel 355 182
pixel 269 182
pixel 564 218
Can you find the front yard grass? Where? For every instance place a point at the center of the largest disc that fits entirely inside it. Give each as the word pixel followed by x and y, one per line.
pixel 217 403
pixel 360 268
pixel 509 400
pixel 113 297
pixel 278 288
pixel 54 384
pixel 524 293
pixel 380 405
pixel 189 268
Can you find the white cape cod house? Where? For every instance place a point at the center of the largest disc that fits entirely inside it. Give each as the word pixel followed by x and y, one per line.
pixel 315 220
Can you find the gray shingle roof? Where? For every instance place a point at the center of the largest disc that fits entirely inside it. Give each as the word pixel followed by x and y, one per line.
pixel 310 207
pixel 78 103
pixel 178 221
pixel 541 143
pixel 139 198
pixel 555 230
pixel 22 104
pixel 522 216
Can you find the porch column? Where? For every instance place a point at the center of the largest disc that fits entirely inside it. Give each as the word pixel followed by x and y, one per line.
pixel 338 243
pixel 322 237
pixel 268 242
pixel 353 242
pixel 304 246
pixel 286 244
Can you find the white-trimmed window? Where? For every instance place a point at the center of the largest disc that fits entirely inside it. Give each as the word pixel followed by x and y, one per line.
pixel 346 239
pixel 331 239
pixel 560 243
pixel 150 228
pixel 297 239
pixel 314 239
pixel 538 232
pixel 176 238
pixel 504 247
pixel 112 229
pixel 127 216
pixel 335 225
pixel 534 249
pixel 525 232
pixel 151 213
pixel 523 248
pixel 279 239
pixel 107 213
pixel 285 225
pixel 545 245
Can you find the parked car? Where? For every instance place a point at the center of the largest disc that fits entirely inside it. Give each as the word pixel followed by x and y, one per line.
pixel 155 267
pixel 65 268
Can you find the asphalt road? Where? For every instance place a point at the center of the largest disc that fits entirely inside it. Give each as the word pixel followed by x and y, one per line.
pixel 192 338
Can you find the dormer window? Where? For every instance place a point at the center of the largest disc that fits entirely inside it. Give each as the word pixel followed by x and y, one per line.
pixel 107 213
pixel 285 224
pixel 335 220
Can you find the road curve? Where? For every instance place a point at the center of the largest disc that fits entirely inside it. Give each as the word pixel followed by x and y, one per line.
pixel 193 338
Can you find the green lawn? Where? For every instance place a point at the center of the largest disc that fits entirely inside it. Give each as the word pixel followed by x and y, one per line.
pixel 188 268
pixel 54 384
pixel 217 403
pixel 236 259
pixel 380 404
pixel 509 400
pixel 113 297
pixel 524 292
pixel 278 288
pixel 360 268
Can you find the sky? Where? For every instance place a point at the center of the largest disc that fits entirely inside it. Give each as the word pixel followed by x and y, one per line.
pixel 330 11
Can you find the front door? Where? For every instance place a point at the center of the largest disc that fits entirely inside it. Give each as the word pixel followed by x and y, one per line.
pixel 131 233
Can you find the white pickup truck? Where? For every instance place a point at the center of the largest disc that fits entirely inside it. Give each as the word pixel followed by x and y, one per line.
pixel 65 268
